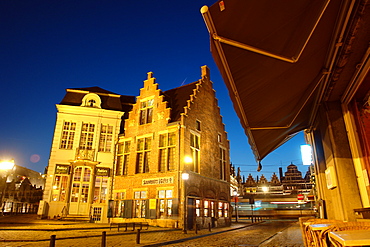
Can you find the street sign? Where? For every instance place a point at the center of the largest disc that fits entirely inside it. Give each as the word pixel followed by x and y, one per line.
pixel 300 197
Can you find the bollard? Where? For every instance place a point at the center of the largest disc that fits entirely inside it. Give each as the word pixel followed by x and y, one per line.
pixel 209 226
pixel 52 240
pixel 103 239
pixel 196 228
pixel 138 236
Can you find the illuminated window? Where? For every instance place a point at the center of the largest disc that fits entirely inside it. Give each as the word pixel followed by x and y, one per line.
pixel 60 188
pixel 123 158
pixel 212 208
pixel 195 151
pixel 119 204
pixel 106 136
pixel 146 111
pixel 220 209
pixel 207 210
pixel 197 207
pixel 87 136
pixel 101 189
pixel 143 154
pixel 167 143
pixel 165 203
pixel 226 209
pixel 139 204
pixel 222 164
pixel 68 134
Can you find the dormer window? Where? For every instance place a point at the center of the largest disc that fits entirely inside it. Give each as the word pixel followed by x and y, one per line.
pixel 91 100
pixel 91 103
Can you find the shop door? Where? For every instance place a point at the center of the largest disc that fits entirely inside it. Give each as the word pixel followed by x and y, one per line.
pixel 80 191
pixel 191 213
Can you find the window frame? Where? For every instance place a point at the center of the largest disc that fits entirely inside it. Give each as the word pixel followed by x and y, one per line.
pixel 101 192
pixel 119 203
pixel 59 188
pixel 87 136
pixel 68 134
pixel 123 157
pixel 195 151
pixel 140 203
pixel 166 151
pixel 146 111
pixel 165 203
pixel 106 138
pixel 223 163
pixel 143 151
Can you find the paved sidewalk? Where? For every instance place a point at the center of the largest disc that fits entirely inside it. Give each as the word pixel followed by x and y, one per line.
pixel 27 230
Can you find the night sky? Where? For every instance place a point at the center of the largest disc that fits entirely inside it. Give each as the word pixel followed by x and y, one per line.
pixel 47 46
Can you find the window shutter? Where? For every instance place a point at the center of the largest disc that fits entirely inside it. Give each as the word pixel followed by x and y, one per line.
pixel 147 209
pixel 128 209
pixel 175 207
pixel 151 209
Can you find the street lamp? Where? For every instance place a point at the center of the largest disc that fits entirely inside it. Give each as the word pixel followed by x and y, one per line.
pixel 185 176
pixel 265 189
pixel 6 166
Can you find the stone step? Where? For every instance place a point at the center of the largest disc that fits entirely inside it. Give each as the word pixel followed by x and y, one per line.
pixel 80 218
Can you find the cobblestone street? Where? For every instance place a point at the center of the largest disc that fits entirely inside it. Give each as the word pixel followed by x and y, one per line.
pixel 38 233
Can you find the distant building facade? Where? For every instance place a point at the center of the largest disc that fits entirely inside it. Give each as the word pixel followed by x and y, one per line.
pixel 117 159
pixel 291 183
pixel 22 192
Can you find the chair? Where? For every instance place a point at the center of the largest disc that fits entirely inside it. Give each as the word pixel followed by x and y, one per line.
pixel 316 239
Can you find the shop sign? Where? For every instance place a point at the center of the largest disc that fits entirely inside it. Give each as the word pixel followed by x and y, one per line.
pixel 62 169
pixel 103 172
pixel 154 181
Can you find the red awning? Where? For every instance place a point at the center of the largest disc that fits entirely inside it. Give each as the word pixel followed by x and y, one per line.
pixel 274 57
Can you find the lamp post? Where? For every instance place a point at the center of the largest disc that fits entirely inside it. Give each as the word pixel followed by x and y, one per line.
pixel 5 167
pixel 184 177
pixel 236 205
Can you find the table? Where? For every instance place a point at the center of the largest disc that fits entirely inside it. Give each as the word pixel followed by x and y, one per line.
pixel 350 238
pixel 317 232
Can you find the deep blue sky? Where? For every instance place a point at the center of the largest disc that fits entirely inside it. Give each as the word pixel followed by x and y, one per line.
pixel 47 46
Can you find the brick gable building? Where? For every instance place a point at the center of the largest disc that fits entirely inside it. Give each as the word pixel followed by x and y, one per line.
pixel 163 130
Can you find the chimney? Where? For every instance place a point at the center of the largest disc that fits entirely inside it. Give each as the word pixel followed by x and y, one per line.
pixel 281 174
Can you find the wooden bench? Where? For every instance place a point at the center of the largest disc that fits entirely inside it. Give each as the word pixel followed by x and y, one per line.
pixel 126 225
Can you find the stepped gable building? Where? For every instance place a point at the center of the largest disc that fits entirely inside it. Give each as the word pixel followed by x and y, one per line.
pixel 115 158
pixel 168 134
pixel 80 167
pixel 293 181
pixel 275 180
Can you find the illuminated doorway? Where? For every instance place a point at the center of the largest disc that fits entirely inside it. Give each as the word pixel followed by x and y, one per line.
pixel 80 192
